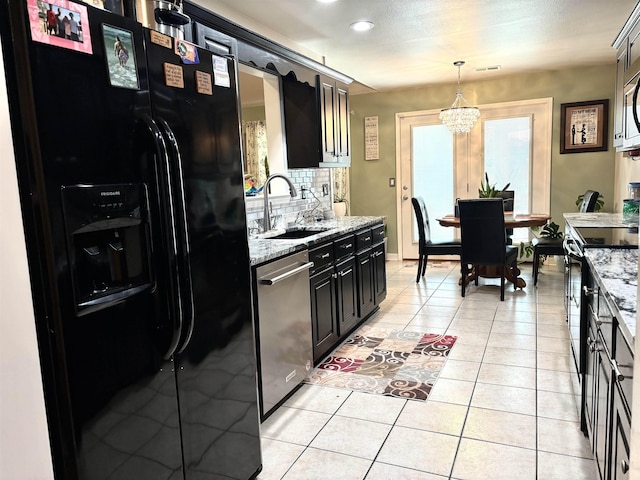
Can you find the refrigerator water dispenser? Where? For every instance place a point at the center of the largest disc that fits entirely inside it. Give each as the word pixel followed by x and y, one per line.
pixel 108 243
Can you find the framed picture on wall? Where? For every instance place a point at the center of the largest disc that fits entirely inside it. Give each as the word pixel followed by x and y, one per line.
pixel 584 126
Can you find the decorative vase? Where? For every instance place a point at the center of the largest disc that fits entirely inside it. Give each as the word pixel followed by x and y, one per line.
pixel 340 209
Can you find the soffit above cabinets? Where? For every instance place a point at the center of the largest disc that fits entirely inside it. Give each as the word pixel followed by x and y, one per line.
pixel 415 42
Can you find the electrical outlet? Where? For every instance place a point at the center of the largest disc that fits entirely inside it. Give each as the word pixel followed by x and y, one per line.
pixel 325 189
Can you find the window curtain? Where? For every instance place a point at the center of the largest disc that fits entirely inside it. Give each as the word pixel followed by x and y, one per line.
pixel 255 151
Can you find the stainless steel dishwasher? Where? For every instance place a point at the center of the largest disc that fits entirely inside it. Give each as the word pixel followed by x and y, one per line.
pixel 285 346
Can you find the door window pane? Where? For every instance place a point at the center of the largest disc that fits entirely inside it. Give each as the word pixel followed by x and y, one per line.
pixel 432 175
pixel 507 159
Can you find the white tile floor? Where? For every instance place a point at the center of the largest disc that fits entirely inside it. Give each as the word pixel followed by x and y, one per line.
pixel 504 406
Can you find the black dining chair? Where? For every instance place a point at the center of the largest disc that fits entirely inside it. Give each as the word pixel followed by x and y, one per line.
pixel 425 246
pixel 484 239
pixel 553 246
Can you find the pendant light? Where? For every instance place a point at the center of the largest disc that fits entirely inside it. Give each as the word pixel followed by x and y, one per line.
pixel 460 116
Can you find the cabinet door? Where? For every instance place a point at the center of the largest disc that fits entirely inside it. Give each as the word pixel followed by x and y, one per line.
pixel 347 296
pixel 589 382
pixel 618 115
pixel 379 274
pixel 619 465
pixel 602 411
pixel 327 119
pixel 343 140
pixel 324 319
pixel 365 284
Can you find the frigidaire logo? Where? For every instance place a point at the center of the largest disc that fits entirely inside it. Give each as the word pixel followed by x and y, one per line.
pixel 114 193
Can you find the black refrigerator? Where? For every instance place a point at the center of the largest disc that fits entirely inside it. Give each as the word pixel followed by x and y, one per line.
pixel 129 161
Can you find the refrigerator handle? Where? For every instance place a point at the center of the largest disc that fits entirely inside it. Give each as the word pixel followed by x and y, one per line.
pixel 177 181
pixel 163 183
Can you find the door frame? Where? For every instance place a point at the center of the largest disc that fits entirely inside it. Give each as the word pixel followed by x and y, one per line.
pixel 462 146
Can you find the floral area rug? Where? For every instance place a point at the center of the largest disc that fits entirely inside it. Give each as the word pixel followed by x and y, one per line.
pixel 387 362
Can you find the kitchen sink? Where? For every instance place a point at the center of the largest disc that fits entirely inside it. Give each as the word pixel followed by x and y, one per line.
pixel 293 234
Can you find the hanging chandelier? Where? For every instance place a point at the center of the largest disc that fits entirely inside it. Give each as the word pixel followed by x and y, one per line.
pixel 460 116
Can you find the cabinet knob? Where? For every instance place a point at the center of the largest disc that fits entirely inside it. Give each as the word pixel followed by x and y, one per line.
pixel 589 291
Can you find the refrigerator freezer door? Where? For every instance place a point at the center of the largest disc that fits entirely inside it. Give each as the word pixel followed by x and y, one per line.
pixel 111 396
pixel 216 360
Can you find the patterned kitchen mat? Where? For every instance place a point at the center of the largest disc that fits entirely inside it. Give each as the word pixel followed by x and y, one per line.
pixel 386 362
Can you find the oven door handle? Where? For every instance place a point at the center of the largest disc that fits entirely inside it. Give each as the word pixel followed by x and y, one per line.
pixel 569 246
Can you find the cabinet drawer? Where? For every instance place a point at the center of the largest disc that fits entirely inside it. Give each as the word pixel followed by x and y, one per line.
pixel 321 257
pixel 344 247
pixel 624 359
pixel 363 239
pixel 377 234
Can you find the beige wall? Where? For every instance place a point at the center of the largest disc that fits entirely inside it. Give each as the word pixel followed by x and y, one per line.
pixel 571 174
pixel 24 440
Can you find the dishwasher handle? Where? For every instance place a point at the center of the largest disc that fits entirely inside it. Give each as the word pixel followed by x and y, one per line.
pixel 285 275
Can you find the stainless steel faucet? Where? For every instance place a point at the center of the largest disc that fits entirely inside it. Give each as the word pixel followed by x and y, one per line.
pixel 292 190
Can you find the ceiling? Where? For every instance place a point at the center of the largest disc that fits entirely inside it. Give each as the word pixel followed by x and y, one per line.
pixel 415 42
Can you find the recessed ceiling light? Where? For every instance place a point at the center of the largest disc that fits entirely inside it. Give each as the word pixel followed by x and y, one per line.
pixel 361 26
pixel 326 1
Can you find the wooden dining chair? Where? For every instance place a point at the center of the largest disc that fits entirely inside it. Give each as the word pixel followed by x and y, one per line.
pixel 484 239
pixel 553 246
pixel 425 246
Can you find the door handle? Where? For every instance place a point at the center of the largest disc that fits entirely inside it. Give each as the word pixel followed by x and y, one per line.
pixel 290 273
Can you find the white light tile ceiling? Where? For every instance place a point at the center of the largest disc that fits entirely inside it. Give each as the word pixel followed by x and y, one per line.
pixel 415 42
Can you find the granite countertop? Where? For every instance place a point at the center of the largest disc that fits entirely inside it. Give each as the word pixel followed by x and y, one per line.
pixel 597 219
pixel 262 250
pixel 617 270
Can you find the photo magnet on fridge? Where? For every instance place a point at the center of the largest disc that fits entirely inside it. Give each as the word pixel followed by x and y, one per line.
pixel 187 52
pixel 121 59
pixel 60 23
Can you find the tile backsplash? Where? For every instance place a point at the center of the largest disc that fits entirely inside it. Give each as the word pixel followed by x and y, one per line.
pixel 295 209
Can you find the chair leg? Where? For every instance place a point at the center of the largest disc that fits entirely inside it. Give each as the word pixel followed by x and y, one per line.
pixel 476 268
pixel 463 268
pixel 502 286
pixel 424 265
pixel 536 266
pixel 419 267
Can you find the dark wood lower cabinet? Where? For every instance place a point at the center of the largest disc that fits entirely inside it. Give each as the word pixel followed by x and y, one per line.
pixel 379 273
pixel 608 372
pixel 621 429
pixel 324 313
pixel 366 303
pixel 347 292
pixel 345 287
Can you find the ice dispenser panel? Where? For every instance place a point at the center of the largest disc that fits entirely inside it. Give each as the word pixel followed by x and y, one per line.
pixel 108 243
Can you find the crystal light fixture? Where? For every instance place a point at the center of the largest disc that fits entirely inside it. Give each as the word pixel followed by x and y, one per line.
pixel 460 116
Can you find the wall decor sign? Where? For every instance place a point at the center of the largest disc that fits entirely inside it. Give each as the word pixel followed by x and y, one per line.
pixel 584 126
pixel 371 138
pixel 60 23
pixel 121 58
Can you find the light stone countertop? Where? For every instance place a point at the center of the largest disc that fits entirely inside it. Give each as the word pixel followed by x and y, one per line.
pixel 262 250
pixel 597 219
pixel 617 269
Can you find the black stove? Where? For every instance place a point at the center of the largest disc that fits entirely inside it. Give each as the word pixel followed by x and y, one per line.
pixel 606 237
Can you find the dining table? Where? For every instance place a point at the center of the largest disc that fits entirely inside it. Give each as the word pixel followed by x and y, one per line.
pixel 511 220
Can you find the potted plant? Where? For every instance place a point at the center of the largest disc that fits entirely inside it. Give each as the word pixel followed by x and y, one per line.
pixel 340 205
pixel 340 192
pixel 488 190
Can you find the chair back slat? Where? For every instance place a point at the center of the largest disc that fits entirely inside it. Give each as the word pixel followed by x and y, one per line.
pixel 589 201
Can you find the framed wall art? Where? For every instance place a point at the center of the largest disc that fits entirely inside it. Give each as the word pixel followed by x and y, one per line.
pixel 584 126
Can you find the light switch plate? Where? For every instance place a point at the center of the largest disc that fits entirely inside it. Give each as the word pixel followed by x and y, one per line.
pixel 392 182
